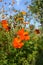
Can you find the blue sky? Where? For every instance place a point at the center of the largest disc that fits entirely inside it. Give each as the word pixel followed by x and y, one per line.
pixel 19 5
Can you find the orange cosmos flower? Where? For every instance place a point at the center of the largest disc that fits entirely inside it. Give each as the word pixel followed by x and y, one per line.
pixel 17 43
pixel 26 36
pixel 5 25
pixel 4 22
pixel 20 32
pixel 23 35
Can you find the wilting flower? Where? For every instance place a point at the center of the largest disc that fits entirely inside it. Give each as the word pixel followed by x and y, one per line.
pixel 23 35
pixel 5 25
pixel 21 18
pixel 17 43
pixel 37 31
pixel 31 27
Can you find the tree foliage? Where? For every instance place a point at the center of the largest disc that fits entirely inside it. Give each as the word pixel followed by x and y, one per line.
pixel 36 7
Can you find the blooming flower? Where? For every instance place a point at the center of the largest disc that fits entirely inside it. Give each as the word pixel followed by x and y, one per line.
pixel 26 36
pixel 23 35
pixel 5 25
pixel 17 43
pixel 20 32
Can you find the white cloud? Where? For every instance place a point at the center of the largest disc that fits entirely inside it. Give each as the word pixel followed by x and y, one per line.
pixel 18 2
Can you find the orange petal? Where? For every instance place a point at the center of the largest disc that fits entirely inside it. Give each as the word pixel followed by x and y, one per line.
pixel 27 37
